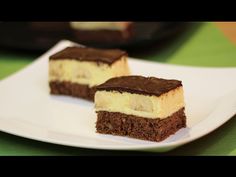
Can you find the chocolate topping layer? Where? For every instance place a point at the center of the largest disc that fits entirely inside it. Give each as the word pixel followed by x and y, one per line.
pixel 140 85
pixel 108 56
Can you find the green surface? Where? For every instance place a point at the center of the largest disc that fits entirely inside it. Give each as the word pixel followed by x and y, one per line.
pixel 203 46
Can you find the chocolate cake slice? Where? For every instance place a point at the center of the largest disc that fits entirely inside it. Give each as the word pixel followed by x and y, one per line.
pixel 77 71
pixel 146 108
pixel 102 32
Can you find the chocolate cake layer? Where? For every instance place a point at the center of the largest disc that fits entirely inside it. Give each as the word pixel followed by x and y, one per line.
pixel 140 85
pixel 138 127
pixel 105 36
pixel 108 56
pixel 103 32
pixel 72 89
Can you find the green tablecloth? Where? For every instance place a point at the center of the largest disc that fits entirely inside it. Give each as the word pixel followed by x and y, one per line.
pixel 205 46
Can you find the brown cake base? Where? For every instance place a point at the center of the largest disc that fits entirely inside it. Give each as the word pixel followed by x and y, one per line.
pixel 99 35
pixel 138 127
pixel 72 89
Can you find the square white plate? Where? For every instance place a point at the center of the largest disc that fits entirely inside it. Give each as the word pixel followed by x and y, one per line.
pixel 28 110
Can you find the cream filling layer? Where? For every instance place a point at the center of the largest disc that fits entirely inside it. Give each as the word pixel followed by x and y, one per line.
pixel 84 72
pixel 140 105
pixel 98 25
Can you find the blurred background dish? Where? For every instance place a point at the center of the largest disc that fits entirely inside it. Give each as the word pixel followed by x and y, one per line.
pixel 40 36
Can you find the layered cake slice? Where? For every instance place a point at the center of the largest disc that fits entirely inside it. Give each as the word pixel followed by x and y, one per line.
pixel 146 108
pixel 77 71
pixel 102 32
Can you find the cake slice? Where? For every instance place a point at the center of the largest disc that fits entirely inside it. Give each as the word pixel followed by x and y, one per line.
pixel 77 71
pixel 146 108
pixel 102 32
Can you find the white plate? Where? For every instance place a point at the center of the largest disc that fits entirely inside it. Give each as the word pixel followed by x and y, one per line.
pixel 28 110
